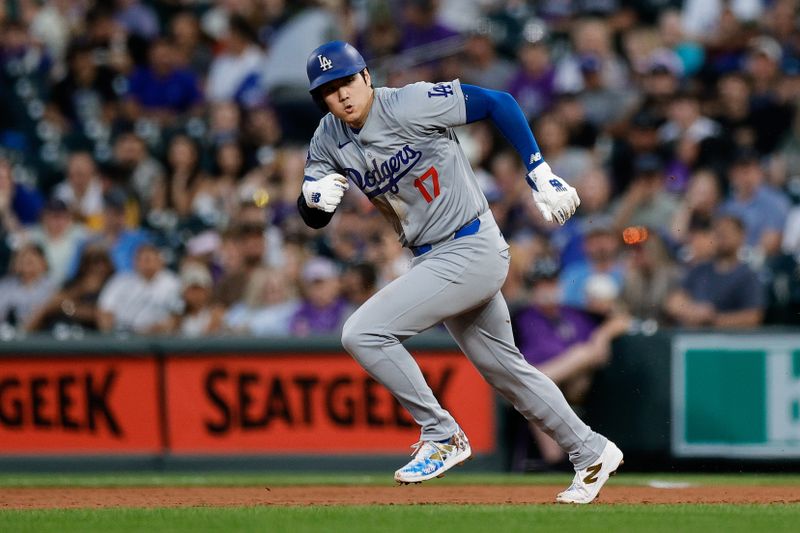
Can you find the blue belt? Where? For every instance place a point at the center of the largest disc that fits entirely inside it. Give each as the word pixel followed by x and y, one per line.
pixel 470 228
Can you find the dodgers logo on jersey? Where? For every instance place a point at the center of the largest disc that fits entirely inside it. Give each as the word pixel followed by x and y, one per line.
pixel 443 89
pixel 385 176
pixel 324 63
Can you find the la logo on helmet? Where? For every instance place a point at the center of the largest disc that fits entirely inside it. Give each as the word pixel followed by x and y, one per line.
pixel 324 63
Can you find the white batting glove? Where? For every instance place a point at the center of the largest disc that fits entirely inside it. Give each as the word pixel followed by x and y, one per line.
pixel 556 199
pixel 325 193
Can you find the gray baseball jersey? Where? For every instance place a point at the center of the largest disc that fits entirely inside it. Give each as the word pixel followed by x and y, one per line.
pixel 406 159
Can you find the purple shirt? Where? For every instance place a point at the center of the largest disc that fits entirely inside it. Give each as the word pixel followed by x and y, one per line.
pixel 310 320
pixel 540 339
pixel 534 94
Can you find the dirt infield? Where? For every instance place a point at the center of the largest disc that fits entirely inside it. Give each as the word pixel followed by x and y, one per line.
pixel 42 498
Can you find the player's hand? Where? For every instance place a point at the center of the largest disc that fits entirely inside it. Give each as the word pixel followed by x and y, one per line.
pixel 554 197
pixel 325 193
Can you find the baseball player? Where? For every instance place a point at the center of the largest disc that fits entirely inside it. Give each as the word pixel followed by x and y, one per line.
pixel 399 148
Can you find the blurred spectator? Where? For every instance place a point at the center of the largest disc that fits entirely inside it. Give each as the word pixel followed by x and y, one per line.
pixel 146 174
pixel 26 288
pixel 162 89
pixel 601 246
pixel 421 25
pixel 533 84
pixel 483 67
pixel 199 317
pixel 244 249
pixel 194 52
pixel 690 53
pixel 602 103
pixel 646 202
pixel 86 98
pixel 235 74
pixel 701 201
pixel 214 196
pixel 76 303
pixel 59 237
pixel 137 18
pixel 568 162
pixel 115 235
pixel 268 306
pixel 762 209
pixel 650 277
pixel 591 37
pixel 323 310
pixel 639 137
pixel 183 173
pixel 142 300
pixel 19 205
pixel 82 191
pixel 359 283
pixel 723 293
pixel 565 344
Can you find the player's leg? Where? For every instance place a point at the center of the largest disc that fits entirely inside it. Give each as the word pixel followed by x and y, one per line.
pixel 484 334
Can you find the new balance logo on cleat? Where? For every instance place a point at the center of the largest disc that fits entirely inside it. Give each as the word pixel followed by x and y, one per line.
pixel 593 470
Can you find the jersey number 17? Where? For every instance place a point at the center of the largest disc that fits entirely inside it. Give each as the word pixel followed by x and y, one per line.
pixel 418 183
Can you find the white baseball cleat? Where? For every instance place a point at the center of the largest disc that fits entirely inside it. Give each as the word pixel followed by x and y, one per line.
pixel 432 459
pixel 588 481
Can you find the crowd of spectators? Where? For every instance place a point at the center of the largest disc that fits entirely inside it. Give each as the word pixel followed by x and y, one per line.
pixel 152 151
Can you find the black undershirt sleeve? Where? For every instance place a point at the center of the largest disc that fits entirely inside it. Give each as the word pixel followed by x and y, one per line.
pixel 314 218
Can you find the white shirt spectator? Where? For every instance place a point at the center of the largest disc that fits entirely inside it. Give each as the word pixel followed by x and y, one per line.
pixel 137 303
pixel 268 321
pixel 229 73
pixel 23 300
pixel 89 205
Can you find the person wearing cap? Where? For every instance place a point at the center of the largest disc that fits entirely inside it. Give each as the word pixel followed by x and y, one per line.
pixel 60 238
pixel 565 343
pixel 723 293
pixel 646 201
pixel 762 209
pixel 601 249
pixel 140 301
pixel 323 310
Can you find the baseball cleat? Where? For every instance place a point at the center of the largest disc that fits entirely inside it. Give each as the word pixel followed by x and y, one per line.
pixel 432 459
pixel 588 481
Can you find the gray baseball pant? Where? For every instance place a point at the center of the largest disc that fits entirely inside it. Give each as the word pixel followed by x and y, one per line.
pixel 458 282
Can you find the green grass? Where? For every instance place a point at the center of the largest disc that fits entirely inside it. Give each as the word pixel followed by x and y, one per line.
pixel 371 479
pixel 434 518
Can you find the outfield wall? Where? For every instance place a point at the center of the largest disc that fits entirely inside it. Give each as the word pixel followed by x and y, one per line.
pixel 109 402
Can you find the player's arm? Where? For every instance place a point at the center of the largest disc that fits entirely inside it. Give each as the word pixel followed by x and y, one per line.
pixel 554 197
pixel 320 197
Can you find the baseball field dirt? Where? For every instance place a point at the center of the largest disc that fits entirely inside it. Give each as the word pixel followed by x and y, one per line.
pixel 72 498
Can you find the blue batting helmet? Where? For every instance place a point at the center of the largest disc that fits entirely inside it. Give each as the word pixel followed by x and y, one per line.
pixel 332 61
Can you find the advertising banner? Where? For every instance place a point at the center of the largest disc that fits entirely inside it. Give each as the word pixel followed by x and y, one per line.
pixel 79 405
pixel 736 396
pixel 311 403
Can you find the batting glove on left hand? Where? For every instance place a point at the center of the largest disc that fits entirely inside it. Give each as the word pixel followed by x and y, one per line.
pixel 325 193
pixel 556 199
